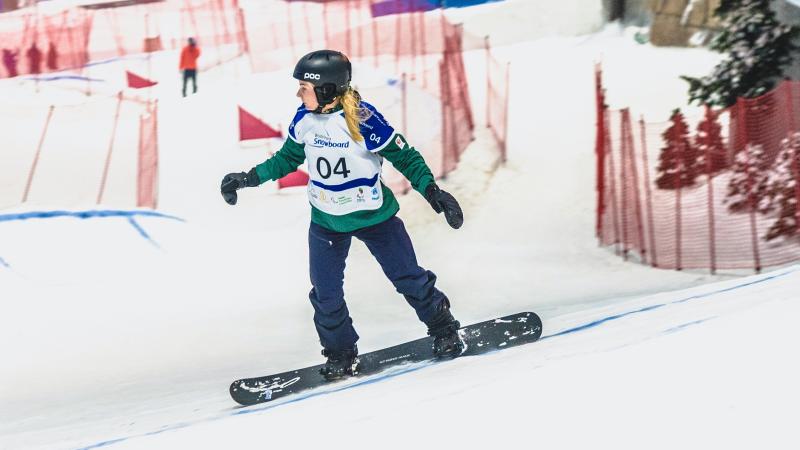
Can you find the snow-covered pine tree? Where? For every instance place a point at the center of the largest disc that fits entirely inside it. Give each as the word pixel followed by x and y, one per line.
pixel 713 156
pixel 678 164
pixel 782 189
pixel 757 47
pixel 750 174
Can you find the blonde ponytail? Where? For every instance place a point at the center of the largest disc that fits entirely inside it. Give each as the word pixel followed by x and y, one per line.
pixel 354 114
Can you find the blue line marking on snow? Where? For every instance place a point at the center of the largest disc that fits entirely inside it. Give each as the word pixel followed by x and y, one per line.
pixel 141 230
pixel 63 77
pixel 686 325
pixel 3 262
pixel 419 366
pixel 652 307
pixel 603 320
pixel 316 393
pixel 116 59
pixel 258 408
pixel 91 214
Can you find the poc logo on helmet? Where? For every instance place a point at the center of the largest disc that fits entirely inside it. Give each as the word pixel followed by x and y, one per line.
pixel 310 76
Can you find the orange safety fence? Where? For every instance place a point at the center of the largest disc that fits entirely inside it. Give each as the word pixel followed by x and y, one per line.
pixel 32 43
pixel 718 191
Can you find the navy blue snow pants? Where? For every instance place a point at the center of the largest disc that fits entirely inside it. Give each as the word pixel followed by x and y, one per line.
pixel 390 244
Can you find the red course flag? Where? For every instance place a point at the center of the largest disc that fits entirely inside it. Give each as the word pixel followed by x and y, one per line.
pixel 137 82
pixel 251 127
pixel 296 178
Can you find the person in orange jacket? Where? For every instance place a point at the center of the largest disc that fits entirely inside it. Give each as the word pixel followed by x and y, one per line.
pixel 189 56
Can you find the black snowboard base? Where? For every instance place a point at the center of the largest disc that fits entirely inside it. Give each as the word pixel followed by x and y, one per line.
pixel 479 338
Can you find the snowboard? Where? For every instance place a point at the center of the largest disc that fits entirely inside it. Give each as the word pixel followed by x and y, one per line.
pixel 479 338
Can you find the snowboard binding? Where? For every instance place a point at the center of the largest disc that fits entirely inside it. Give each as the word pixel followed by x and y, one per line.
pixel 340 363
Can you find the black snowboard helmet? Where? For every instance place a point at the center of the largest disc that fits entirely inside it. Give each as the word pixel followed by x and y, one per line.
pixel 328 70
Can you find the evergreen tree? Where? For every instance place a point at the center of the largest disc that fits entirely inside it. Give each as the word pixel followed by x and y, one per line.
pixel 782 193
pixel 678 162
pixel 708 140
pixel 750 176
pixel 757 48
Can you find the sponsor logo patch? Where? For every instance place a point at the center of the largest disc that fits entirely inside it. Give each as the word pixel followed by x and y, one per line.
pixel 325 143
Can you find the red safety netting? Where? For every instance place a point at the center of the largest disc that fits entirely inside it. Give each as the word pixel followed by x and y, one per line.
pixel 428 99
pixel 33 43
pixel 278 34
pixel 676 195
pixel 70 154
pixel 214 24
pixel 497 85
pixel 457 123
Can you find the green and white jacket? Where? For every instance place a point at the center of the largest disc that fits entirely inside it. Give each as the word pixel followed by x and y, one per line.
pixel 345 187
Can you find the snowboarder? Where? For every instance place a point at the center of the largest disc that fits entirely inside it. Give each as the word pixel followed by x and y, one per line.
pixel 344 140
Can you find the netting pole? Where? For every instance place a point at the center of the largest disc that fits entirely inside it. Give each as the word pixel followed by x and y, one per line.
pixel 712 236
pixel 751 200
pixel 623 146
pixel 678 197
pixel 598 143
pixel 103 179
pixel 795 155
pixel 648 195
pixel 636 194
pixel 613 183
pixel 38 154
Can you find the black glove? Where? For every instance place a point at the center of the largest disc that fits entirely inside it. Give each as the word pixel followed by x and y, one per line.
pixel 442 201
pixel 234 181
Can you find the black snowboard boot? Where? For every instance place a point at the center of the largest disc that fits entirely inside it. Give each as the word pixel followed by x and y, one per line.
pixel 444 329
pixel 340 363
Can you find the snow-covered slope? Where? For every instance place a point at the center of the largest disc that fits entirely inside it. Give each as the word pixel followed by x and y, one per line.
pixel 125 330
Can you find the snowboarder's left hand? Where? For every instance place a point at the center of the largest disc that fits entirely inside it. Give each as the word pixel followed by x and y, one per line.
pixel 442 201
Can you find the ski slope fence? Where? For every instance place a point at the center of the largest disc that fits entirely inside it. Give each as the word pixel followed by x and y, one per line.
pixel 420 53
pixel 38 41
pixel 32 43
pixel 422 50
pixel 103 151
pixel 687 204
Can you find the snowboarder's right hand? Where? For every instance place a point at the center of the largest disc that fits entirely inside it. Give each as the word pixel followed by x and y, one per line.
pixel 234 181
